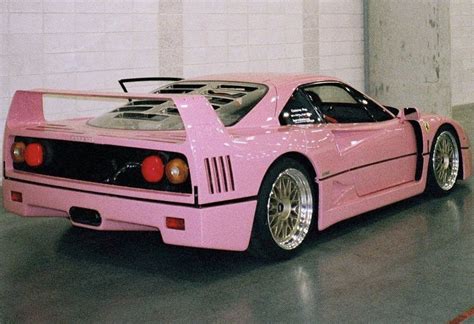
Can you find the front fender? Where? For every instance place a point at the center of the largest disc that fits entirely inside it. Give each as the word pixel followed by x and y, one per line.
pixel 432 123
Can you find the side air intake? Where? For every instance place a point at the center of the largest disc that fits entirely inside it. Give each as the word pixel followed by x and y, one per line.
pixel 219 174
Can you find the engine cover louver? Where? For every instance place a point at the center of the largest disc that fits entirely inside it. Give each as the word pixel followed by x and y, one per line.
pixel 219 174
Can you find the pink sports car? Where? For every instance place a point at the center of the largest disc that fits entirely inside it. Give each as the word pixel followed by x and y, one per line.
pixel 227 162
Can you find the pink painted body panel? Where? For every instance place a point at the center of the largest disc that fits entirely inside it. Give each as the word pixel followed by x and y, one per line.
pixel 358 167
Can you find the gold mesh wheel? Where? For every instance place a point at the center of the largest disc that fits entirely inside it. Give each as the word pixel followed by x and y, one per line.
pixel 445 160
pixel 290 209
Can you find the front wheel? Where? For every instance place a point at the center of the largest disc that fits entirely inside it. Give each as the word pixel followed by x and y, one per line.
pixel 444 162
pixel 285 210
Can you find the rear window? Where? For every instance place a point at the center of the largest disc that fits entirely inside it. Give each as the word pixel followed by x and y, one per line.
pixel 231 101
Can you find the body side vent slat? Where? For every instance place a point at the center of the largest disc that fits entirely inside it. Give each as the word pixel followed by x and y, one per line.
pixel 224 177
pixel 209 176
pixel 219 173
pixel 215 170
pixel 231 175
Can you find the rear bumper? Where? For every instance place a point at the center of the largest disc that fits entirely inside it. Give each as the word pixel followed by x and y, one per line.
pixel 224 227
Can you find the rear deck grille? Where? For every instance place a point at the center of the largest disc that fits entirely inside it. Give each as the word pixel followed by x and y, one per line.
pixel 219 174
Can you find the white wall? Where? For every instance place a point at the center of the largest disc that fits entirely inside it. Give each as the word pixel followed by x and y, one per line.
pixel 226 36
pixel 75 45
pixel 242 36
pixel 341 40
pixel 462 47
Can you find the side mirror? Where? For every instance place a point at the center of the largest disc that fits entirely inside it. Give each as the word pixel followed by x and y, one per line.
pixel 409 113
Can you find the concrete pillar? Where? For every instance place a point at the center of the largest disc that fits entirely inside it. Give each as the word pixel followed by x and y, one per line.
pixel 409 53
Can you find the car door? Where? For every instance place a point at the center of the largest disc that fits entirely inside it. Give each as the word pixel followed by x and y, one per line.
pixel 374 147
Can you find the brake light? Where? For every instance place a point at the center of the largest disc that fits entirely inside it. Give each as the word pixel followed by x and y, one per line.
pixel 34 154
pixel 18 152
pixel 153 169
pixel 177 171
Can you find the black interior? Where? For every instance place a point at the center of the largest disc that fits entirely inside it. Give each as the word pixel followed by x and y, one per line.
pixel 346 113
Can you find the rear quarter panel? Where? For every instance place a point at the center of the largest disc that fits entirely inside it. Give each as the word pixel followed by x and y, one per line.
pixel 254 151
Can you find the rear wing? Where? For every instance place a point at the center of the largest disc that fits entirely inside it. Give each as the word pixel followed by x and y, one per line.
pixel 146 79
pixel 197 114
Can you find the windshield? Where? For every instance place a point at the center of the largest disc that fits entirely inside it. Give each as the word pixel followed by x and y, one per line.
pixel 230 100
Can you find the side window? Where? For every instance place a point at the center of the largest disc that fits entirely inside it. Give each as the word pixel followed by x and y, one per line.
pixel 338 104
pixel 332 94
pixel 298 110
pixel 377 112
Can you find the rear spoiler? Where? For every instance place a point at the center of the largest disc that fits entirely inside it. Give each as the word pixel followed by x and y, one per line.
pixel 196 112
pixel 146 79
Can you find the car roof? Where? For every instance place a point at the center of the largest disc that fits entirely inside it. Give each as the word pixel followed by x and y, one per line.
pixel 277 79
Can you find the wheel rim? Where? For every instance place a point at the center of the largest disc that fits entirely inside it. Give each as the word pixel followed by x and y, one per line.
pixel 290 209
pixel 446 160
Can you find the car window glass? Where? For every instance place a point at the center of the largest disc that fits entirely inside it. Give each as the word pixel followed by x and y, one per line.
pixel 377 112
pixel 337 104
pixel 332 94
pixel 298 110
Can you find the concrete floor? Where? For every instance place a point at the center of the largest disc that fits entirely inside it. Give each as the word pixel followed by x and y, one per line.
pixel 409 262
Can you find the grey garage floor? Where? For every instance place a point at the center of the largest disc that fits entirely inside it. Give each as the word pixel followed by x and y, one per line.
pixel 409 262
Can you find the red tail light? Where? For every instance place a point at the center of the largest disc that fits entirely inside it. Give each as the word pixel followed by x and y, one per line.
pixel 153 169
pixel 34 154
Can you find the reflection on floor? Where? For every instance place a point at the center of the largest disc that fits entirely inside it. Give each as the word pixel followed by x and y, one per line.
pixel 409 262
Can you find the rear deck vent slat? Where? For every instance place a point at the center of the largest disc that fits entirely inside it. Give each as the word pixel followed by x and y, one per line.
pixel 133 108
pixel 180 88
pixel 186 86
pixel 219 100
pixel 238 87
pixel 140 116
pixel 175 91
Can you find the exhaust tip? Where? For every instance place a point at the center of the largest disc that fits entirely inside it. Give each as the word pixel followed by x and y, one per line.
pixel 85 216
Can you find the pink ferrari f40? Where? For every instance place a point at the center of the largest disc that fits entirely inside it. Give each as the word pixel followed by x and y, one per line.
pixel 231 162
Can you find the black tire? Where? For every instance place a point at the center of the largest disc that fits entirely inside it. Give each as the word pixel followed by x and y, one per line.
pixel 444 163
pixel 279 229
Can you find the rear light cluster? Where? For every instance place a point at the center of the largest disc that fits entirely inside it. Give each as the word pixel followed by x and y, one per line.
pixel 153 169
pixel 133 167
pixel 32 154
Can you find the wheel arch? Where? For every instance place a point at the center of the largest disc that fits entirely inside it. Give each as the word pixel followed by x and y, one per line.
pixel 302 159
pixel 259 247
pixel 453 129
pixel 308 165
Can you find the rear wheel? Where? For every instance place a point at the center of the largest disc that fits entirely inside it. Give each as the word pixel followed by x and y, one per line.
pixel 444 162
pixel 285 209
